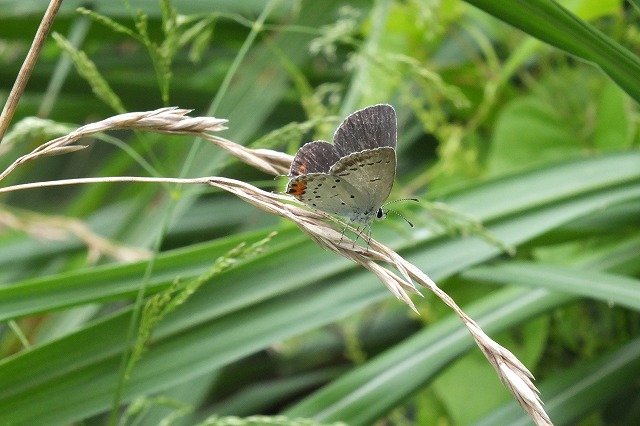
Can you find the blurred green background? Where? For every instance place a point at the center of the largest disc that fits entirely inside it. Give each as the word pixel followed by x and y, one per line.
pixel 521 115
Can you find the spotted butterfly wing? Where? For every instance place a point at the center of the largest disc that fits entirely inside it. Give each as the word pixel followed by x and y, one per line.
pixel 373 169
pixel 330 194
pixel 340 191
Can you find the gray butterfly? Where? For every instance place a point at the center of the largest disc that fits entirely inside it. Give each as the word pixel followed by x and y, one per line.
pixel 353 176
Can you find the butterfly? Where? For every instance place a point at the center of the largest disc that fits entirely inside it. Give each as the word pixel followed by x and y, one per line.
pixel 352 177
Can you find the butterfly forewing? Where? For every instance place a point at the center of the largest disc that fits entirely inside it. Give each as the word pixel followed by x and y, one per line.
pixel 314 157
pixel 369 128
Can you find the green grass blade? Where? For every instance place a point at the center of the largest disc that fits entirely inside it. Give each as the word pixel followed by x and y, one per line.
pixel 553 24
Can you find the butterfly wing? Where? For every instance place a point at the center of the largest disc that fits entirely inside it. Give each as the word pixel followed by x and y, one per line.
pixel 331 194
pixel 314 157
pixel 372 171
pixel 369 128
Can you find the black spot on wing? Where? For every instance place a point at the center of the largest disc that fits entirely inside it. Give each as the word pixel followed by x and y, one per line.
pixel 374 174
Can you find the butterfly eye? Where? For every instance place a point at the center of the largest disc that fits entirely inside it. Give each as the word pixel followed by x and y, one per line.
pixel 381 214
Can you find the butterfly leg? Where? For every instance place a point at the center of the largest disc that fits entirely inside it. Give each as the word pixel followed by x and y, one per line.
pixel 366 228
pixel 342 234
pixel 361 234
pixel 345 230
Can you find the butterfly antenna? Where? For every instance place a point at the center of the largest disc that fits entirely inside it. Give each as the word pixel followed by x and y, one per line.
pixel 400 199
pixel 398 214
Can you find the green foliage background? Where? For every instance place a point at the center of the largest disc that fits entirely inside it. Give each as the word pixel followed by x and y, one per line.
pixel 530 127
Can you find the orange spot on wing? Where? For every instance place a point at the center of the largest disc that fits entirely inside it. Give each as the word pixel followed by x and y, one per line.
pixel 297 188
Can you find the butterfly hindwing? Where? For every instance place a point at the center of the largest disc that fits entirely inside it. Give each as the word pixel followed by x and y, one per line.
pixel 373 169
pixel 325 192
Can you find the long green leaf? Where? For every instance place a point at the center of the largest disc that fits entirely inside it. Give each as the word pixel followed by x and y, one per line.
pixel 363 395
pixel 609 288
pixel 255 304
pixel 515 208
pixel 550 22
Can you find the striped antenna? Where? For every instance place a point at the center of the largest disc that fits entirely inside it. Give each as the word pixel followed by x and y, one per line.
pixel 382 213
